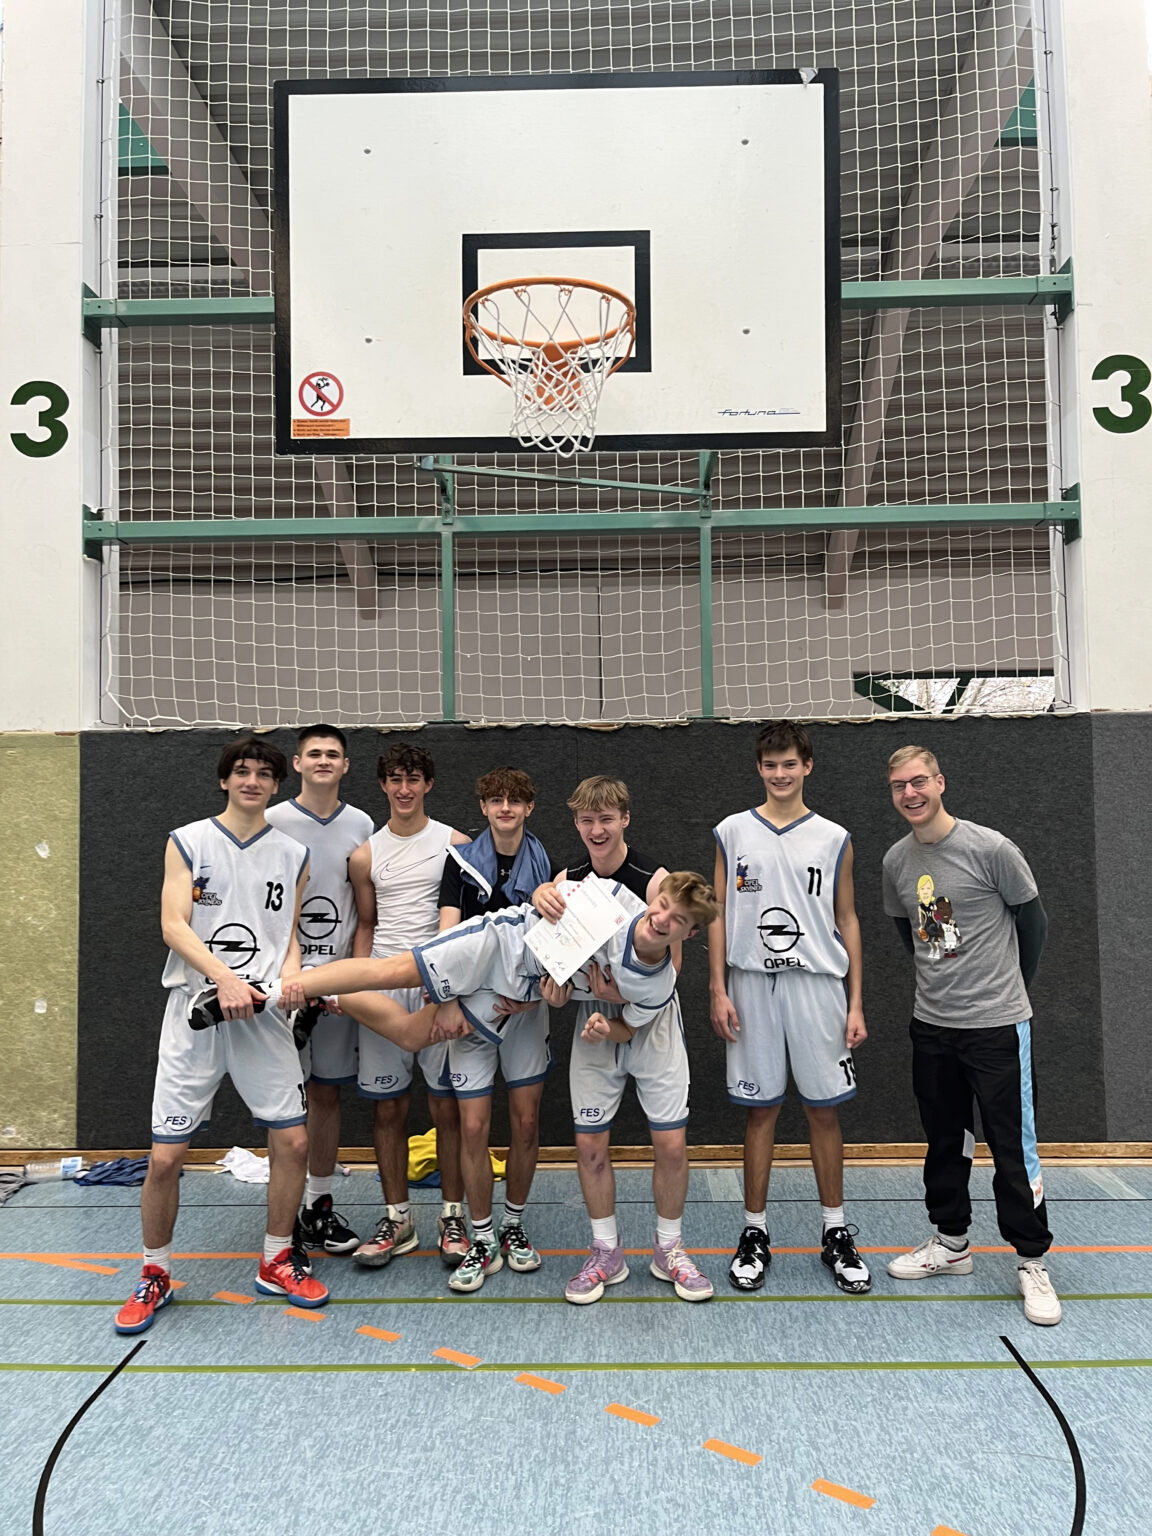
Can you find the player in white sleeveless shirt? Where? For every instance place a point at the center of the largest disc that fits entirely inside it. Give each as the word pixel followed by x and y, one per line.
pixel 332 831
pixel 233 887
pixel 396 879
pixel 785 971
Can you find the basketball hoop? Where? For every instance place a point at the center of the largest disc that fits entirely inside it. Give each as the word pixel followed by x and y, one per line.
pixel 553 341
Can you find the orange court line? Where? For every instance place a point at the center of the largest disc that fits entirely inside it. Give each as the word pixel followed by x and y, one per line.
pixel 469 1362
pixel 946 1530
pixel 733 1452
pixel 633 1415
pixel 378 1333
pixel 541 1383
pixel 65 1261
pixel 845 1495
pixel 235 1296
pixel 177 1285
pixel 312 1316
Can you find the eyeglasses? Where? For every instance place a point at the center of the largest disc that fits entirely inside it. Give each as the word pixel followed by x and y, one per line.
pixel 919 784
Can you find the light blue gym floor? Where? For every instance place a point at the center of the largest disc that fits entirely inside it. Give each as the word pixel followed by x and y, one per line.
pixel 237 1419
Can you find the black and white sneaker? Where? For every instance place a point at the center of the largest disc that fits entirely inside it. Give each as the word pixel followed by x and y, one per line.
pixel 298 1250
pixel 322 1227
pixel 848 1268
pixel 204 1011
pixel 751 1260
pixel 304 1021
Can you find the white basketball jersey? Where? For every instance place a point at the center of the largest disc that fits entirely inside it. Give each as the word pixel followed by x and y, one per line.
pixel 647 988
pixel 406 872
pixel 243 899
pixel 779 907
pixel 328 912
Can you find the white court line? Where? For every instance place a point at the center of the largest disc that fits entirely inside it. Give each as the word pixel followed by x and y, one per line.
pixel 1112 1184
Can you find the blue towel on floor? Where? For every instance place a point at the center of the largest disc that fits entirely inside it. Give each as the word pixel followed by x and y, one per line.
pixel 121 1170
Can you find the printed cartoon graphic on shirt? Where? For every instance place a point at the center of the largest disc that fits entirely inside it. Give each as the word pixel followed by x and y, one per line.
pixel 937 922
pixel 744 881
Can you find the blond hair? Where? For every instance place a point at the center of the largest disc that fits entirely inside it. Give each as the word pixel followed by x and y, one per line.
pixel 692 892
pixel 599 793
pixel 907 754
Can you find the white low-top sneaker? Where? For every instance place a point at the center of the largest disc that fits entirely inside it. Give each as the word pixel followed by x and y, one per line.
pixel 931 1258
pixel 1041 1303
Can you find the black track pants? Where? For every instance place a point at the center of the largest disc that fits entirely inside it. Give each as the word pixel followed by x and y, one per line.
pixel 951 1068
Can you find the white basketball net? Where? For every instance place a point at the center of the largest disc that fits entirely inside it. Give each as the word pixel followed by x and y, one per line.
pixel 554 343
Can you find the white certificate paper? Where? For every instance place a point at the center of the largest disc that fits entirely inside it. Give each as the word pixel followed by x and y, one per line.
pixel 590 919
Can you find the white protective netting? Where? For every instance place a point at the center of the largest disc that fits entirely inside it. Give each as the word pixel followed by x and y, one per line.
pixel 942 406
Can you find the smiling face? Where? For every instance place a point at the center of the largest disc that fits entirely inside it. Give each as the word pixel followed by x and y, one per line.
pixel 406 791
pixel 665 922
pixel 602 833
pixel 783 774
pixel 250 785
pixel 917 791
pixel 321 762
pixel 505 815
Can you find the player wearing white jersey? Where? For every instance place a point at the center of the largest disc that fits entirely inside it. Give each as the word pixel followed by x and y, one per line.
pixel 332 831
pixel 785 972
pixel 396 879
pixel 233 887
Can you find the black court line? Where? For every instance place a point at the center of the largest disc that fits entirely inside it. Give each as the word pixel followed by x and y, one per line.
pixel 54 1455
pixel 1073 1448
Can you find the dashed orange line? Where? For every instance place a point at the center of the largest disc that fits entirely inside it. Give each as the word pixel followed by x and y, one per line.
pixel 733 1452
pixel 633 1415
pixel 469 1362
pixel 541 1383
pixel 845 1495
pixel 946 1530
pixel 378 1333
pixel 312 1316
pixel 64 1261
pixel 243 1301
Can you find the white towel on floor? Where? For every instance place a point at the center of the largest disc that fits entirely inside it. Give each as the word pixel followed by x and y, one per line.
pixel 245 1166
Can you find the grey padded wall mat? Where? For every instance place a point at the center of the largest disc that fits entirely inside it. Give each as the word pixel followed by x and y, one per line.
pixel 1030 778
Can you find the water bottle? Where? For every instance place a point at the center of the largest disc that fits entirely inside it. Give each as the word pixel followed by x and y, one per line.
pixel 55 1168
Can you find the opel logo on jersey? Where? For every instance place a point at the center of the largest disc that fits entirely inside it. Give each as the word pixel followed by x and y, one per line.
pixel 236 945
pixel 319 918
pixel 779 931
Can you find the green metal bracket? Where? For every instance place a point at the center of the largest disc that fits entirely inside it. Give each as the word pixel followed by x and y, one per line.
pixel 1071 523
pixel 928 293
pixel 1019 132
pixel 92 547
pixel 136 155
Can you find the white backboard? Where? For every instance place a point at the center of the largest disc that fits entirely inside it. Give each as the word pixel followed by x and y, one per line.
pixel 712 200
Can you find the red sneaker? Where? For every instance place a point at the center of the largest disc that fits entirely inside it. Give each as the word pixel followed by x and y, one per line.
pixel 287 1276
pixel 153 1292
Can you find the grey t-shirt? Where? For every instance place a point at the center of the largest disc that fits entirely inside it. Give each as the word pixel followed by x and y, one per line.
pixel 957 893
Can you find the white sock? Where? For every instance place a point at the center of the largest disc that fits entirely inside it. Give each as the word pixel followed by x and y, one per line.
pixel 482 1231
pixel 833 1216
pixel 275 1245
pixel 953 1244
pixel 316 1187
pixel 756 1219
pixel 668 1232
pixel 604 1231
pixel 403 1209
pixel 451 1208
pixel 513 1215
pixel 160 1257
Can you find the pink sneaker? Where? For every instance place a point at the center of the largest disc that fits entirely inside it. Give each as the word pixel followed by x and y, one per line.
pixel 674 1265
pixel 603 1266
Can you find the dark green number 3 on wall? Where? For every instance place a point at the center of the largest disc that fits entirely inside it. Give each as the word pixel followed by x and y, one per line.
pixel 1132 393
pixel 50 416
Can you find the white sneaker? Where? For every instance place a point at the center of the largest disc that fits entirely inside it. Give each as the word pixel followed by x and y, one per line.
pixel 931 1258
pixel 1041 1303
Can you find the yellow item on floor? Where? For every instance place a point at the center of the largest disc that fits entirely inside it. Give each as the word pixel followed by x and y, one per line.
pixel 422 1158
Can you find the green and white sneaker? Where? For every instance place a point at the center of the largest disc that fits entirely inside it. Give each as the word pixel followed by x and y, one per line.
pixel 481 1260
pixel 516 1248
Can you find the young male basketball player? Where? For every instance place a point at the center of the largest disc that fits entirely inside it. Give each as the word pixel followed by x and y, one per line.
pixel 331 831
pixel 229 911
pixel 966 905
pixel 785 975
pixel 599 1068
pixel 499 870
pixel 396 879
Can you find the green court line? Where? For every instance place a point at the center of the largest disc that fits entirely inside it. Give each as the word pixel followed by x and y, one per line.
pixel 559 1301
pixel 584 1367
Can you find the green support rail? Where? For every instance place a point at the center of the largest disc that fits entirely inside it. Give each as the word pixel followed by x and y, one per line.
pixel 1057 289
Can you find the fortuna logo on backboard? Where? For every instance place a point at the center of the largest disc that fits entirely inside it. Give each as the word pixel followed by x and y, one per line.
pixel 321 395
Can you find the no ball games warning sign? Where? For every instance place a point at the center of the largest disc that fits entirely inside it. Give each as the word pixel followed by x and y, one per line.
pixel 321 396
